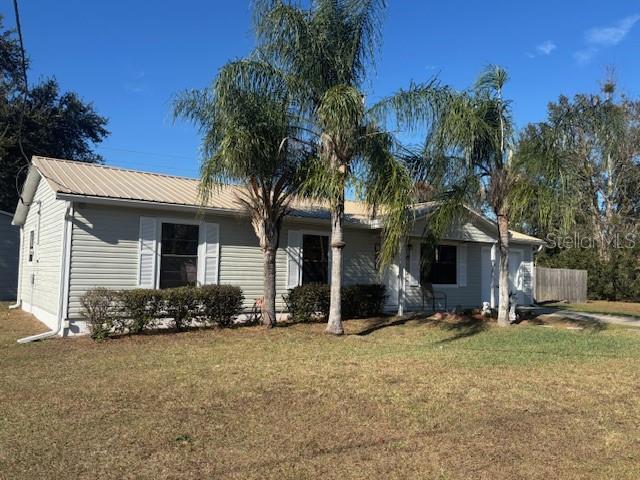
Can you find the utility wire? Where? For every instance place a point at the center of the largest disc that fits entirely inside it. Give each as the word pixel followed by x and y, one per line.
pixel 152 154
pixel 23 106
pixel 25 89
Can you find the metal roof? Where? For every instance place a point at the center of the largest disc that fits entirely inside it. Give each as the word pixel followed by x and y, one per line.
pixel 95 181
pixel 102 181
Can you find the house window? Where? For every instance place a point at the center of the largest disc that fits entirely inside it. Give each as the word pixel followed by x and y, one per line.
pixel 179 255
pixel 315 259
pixel 32 245
pixel 439 265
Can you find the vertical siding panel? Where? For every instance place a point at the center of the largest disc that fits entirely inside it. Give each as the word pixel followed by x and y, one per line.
pixel 41 279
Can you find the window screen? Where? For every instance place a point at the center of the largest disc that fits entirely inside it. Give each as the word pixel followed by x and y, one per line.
pixel 439 265
pixel 179 255
pixel 315 259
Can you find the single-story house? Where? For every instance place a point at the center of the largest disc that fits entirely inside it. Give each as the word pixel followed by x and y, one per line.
pixel 9 242
pixel 86 225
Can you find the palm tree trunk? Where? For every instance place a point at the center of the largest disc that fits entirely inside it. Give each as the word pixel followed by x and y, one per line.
pixel 503 281
pixel 334 325
pixel 269 302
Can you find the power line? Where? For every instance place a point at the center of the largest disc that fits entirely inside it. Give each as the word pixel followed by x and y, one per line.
pixel 153 154
pixel 22 55
pixel 25 93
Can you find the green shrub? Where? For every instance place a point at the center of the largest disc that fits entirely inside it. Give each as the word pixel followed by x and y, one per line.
pixel 181 305
pixel 219 304
pixel 363 301
pixel 99 312
pixel 308 302
pixel 311 302
pixel 140 309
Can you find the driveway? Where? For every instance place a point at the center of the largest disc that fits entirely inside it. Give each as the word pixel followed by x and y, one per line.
pixel 588 317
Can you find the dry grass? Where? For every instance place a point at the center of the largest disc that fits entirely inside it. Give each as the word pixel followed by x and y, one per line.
pixel 415 399
pixel 603 306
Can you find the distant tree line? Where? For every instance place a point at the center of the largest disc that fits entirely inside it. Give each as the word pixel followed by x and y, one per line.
pixel 47 122
pixel 583 162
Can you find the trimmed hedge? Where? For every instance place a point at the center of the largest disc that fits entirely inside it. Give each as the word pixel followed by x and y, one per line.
pixel 100 311
pixel 220 304
pixel 311 302
pixel 181 305
pixel 308 302
pixel 363 301
pixel 139 310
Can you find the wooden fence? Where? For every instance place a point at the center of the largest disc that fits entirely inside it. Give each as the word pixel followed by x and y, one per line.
pixel 560 284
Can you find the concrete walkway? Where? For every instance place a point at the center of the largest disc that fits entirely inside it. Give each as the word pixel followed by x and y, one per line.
pixel 589 317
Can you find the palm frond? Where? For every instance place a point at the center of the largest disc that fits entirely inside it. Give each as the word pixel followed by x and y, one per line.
pixel 418 105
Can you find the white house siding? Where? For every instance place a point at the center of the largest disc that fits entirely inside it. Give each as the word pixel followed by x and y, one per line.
pixel 104 252
pixel 9 246
pixel 470 231
pixel 241 261
pixel 40 279
pixel 359 256
pixel 468 296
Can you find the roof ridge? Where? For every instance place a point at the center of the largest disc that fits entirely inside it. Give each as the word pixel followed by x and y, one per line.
pixel 113 167
pixel 143 172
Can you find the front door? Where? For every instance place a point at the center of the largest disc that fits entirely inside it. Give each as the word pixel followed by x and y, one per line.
pixel 515 276
pixel 391 281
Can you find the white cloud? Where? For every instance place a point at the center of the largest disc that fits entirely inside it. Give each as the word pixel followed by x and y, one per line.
pixel 602 37
pixel 585 55
pixel 546 47
pixel 610 36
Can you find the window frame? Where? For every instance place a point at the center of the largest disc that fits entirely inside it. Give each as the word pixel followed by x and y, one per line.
pixel 179 221
pixel 320 233
pixel 447 285
pixel 31 246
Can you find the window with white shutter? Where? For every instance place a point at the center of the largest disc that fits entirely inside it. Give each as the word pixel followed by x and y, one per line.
pixel 414 264
pixel 210 254
pixel 294 258
pixel 147 252
pixel 462 265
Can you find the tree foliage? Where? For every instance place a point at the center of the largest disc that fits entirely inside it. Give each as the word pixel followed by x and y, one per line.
pixel 585 157
pixel 317 57
pixel 48 122
pixel 583 162
pixel 468 160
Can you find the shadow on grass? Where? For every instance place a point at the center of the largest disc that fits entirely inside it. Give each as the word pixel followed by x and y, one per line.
pixel 586 322
pixel 554 317
pixel 380 323
pixel 462 327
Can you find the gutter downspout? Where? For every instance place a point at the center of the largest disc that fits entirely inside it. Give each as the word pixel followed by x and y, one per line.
pixel 18 303
pixel 64 278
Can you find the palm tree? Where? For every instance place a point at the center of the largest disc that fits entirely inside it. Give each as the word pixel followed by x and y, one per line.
pixel 470 150
pixel 319 57
pixel 245 141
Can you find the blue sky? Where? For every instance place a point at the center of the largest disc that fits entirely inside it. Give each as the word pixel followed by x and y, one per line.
pixel 130 59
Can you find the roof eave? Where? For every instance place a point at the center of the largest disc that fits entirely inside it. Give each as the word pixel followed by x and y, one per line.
pixel 110 201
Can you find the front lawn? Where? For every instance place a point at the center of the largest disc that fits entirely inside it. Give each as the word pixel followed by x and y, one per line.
pixel 414 399
pixel 602 306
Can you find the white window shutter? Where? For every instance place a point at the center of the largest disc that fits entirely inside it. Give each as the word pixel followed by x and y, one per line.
pixel 208 273
pixel 414 265
pixel 294 258
pixel 462 265
pixel 147 252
